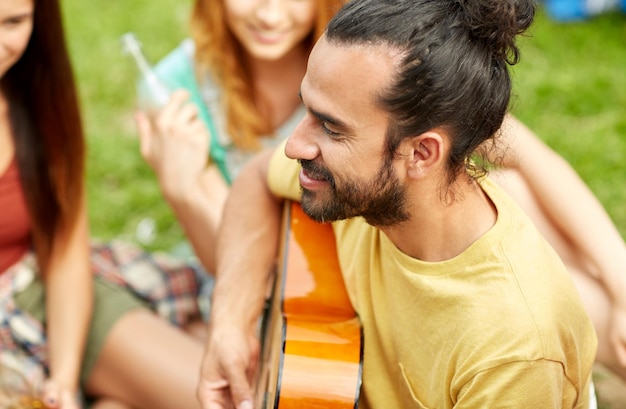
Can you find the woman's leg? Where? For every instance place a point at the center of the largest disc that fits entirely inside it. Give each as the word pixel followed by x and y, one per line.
pixel 197 329
pixel 147 363
pixel 108 404
pixel 595 297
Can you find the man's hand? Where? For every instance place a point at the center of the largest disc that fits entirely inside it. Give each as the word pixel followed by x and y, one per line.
pixel 228 369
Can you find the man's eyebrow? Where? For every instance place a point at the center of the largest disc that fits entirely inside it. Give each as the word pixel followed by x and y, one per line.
pixel 340 125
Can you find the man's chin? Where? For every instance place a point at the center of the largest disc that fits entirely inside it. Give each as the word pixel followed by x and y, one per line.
pixel 322 212
pixel 314 208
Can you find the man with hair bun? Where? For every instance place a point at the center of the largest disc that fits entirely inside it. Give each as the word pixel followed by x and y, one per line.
pixel 462 301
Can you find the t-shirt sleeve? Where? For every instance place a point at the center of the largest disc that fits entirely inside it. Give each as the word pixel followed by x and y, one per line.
pixel 282 175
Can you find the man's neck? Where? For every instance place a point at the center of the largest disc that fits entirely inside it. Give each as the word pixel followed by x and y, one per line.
pixel 441 229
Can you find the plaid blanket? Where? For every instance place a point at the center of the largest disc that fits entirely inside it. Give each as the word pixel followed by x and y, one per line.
pixel 168 285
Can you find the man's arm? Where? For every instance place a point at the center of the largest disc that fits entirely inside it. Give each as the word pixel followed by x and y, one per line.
pixel 246 256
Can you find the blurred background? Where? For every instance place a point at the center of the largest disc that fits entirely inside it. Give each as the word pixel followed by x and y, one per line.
pixel 570 88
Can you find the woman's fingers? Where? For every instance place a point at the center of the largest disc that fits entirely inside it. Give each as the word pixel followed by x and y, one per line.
pixel 51 394
pixel 144 129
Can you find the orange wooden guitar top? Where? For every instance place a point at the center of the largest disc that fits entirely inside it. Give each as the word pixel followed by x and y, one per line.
pixel 319 364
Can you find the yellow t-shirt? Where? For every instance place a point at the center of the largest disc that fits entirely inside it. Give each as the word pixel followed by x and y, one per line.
pixel 500 325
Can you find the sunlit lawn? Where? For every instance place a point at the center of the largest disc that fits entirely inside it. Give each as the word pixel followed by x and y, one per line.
pixel 570 88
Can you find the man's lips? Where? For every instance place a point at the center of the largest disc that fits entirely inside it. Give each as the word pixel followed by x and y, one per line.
pixel 311 181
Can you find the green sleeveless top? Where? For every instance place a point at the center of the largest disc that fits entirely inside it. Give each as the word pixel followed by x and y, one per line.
pixel 177 70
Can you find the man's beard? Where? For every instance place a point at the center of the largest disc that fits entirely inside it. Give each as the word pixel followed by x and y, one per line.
pixel 380 201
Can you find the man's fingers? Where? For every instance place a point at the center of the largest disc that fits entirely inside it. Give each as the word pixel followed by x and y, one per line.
pixel 214 394
pixel 240 388
pixel 246 404
pixel 223 392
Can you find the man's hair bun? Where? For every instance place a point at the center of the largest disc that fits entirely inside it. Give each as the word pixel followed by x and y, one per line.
pixel 498 22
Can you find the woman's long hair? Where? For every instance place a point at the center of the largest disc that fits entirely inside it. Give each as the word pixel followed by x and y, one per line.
pixel 218 51
pixel 46 123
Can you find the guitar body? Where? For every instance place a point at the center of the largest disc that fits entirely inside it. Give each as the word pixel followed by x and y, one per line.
pixel 312 338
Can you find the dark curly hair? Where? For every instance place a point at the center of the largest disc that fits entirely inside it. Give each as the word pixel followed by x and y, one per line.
pixel 454 73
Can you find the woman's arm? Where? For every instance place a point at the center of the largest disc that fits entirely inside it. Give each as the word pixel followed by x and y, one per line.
pixel 199 212
pixel 69 303
pixel 570 205
pixel 586 235
pixel 176 145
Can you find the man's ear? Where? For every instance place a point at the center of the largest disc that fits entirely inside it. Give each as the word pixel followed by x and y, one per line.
pixel 423 153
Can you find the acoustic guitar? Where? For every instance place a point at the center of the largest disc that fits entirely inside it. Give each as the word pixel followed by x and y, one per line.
pixel 312 344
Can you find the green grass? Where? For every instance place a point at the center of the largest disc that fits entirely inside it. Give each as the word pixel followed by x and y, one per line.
pixel 122 189
pixel 570 89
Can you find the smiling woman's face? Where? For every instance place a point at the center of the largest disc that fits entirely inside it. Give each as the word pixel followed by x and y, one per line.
pixel 269 29
pixel 16 26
